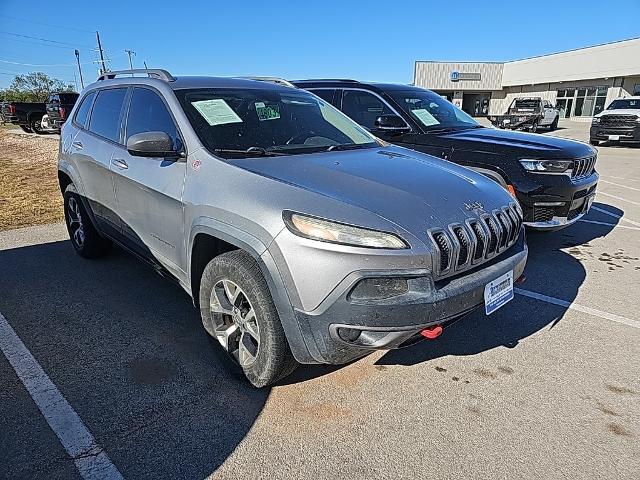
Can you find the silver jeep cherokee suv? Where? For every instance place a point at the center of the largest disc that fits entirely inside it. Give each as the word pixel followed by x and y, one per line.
pixel 301 237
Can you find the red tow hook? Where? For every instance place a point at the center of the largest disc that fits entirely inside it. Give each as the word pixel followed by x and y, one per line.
pixel 432 332
pixel 521 279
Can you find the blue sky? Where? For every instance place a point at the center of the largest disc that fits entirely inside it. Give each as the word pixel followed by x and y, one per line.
pixel 346 39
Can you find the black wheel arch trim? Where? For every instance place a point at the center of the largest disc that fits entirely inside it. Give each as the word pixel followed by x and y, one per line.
pixel 304 352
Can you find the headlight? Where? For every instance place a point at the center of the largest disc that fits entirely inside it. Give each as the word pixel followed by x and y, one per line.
pixel 595 120
pixel 333 232
pixel 547 166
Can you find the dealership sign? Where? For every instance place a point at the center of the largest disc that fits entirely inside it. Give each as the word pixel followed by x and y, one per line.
pixel 457 76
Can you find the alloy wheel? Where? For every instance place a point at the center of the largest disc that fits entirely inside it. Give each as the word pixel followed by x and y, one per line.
pixel 234 322
pixel 75 222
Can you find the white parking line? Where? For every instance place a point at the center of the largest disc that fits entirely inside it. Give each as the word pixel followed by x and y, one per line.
pixel 616 225
pixel 620 185
pixel 90 460
pixel 611 214
pixel 580 308
pixel 619 198
pixel 623 178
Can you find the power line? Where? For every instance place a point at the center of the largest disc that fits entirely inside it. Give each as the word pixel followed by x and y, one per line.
pixel 65 27
pixel 44 39
pixel 55 64
pixel 43 64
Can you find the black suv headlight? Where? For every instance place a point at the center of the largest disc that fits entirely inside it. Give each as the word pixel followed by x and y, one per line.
pixel 547 166
pixel 595 120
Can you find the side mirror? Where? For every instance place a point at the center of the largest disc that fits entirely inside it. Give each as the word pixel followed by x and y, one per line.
pixel 152 144
pixel 390 124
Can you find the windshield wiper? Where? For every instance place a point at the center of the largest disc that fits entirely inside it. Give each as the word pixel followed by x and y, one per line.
pixel 346 146
pixel 251 151
pixel 442 130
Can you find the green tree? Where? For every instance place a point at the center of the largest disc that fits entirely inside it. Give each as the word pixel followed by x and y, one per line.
pixel 33 87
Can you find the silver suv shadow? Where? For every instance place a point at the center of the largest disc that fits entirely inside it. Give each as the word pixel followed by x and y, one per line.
pixel 300 236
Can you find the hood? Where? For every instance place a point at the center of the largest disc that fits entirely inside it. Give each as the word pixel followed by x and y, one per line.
pixel 621 111
pixel 413 190
pixel 515 144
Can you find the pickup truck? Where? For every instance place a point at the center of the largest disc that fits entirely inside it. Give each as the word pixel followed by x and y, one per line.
pixel 527 113
pixel 27 115
pixel 620 122
pixel 58 107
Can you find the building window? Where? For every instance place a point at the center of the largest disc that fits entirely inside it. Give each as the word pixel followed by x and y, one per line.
pixel 585 101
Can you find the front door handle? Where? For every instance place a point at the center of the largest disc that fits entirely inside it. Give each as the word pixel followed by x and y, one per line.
pixel 120 163
pixel 77 145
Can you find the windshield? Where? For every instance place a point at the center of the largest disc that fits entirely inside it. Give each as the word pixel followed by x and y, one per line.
pixel 619 104
pixel 234 123
pixel 432 111
pixel 526 104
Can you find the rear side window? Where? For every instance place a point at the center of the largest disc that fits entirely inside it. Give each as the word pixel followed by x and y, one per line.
pixel 148 113
pixel 325 93
pixel 83 111
pixel 363 107
pixel 105 117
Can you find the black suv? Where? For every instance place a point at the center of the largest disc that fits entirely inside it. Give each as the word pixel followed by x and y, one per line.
pixel 553 179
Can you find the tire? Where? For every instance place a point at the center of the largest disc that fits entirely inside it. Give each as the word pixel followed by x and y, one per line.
pixel 534 127
pixel 554 125
pixel 232 286
pixel 26 128
pixel 34 123
pixel 86 240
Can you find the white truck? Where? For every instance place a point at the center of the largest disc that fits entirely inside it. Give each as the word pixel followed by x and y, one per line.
pixel 619 122
pixel 527 113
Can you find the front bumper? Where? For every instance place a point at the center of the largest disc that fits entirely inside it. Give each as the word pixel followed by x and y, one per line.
pixel 603 133
pixel 343 329
pixel 556 201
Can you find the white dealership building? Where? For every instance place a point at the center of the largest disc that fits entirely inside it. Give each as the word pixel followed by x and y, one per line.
pixel 581 83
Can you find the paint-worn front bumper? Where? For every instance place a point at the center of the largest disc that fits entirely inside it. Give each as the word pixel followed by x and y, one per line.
pixel 343 329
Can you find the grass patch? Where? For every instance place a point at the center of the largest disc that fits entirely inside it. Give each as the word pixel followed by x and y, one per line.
pixel 29 192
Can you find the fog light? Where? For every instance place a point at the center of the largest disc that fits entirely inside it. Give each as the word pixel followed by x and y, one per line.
pixel 379 288
pixel 349 334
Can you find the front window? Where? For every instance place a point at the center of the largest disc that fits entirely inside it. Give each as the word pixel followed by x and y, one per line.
pixel 625 103
pixel 234 123
pixel 432 111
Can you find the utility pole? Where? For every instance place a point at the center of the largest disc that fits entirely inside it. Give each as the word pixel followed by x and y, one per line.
pixel 103 69
pixel 79 68
pixel 130 52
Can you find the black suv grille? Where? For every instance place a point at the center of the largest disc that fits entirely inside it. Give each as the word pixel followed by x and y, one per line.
pixel 583 167
pixel 462 245
pixel 618 120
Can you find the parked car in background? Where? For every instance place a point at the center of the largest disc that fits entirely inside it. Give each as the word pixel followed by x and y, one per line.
pixel 553 179
pixel 619 122
pixel 27 115
pixel 299 235
pixel 528 113
pixel 58 107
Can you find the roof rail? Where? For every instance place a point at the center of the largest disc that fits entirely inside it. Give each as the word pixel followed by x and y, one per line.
pixel 328 80
pixel 276 80
pixel 151 72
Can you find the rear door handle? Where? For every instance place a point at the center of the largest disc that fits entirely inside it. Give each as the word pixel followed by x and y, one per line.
pixel 77 145
pixel 120 163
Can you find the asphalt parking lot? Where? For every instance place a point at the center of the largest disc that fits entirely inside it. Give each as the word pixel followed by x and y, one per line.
pixel 547 387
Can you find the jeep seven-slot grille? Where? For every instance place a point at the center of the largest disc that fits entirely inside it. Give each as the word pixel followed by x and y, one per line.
pixel 583 167
pixel 462 245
